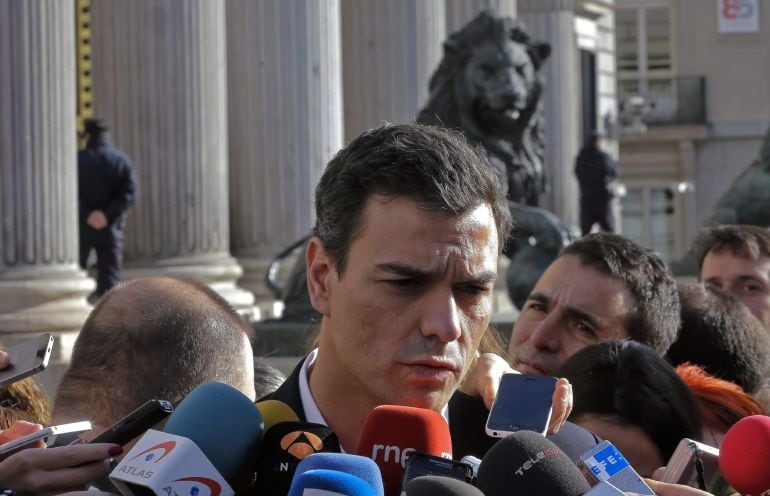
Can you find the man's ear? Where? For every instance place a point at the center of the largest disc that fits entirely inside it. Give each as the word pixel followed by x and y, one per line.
pixel 319 273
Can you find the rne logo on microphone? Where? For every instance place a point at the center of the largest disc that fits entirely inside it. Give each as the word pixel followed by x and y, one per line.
pixel 301 444
pixel 398 454
pixel 150 453
pixel 191 486
pixel 539 457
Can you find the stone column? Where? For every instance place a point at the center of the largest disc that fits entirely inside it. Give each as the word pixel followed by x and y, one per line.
pixel 460 12
pixel 159 72
pixel 42 288
pixel 554 21
pixel 390 49
pixel 285 121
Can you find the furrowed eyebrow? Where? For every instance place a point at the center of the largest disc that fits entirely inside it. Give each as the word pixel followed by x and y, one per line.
pixel 485 277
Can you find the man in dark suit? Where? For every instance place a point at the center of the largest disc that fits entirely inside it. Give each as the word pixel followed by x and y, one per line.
pixel 595 170
pixel 402 268
pixel 106 190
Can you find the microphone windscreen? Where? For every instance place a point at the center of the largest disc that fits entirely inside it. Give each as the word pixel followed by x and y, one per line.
pixel 283 447
pixel 744 456
pixel 527 463
pixel 222 422
pixel 323 482
pixel 391 433
pixel 436 485
pixel 360 466
pixel 274 412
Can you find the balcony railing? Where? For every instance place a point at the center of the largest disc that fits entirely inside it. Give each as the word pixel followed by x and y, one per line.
pixel 678 100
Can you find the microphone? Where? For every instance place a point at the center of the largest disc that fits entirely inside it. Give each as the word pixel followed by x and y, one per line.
pixel 525 462
pixel 436 485
pixel 283 447
pixel 205 442
pixel 274 412
pixel 360 466
pixel 391 433
pixel 744 456
pixel 322 482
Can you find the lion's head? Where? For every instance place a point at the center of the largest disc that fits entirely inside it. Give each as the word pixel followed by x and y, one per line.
pixel 488 85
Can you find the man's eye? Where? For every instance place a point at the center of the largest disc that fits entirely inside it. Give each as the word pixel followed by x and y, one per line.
pixel 476 290
pixel 750 288
pixel 402 283
pixel 535 305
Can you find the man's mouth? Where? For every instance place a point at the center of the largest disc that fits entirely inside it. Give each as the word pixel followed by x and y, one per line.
pixel 532 367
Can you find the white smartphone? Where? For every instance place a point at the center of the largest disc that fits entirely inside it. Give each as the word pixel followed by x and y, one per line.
pixel 27 358
pixel 523 403
pixel 47 435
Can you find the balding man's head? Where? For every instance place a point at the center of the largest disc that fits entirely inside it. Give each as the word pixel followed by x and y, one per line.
pixel 155 337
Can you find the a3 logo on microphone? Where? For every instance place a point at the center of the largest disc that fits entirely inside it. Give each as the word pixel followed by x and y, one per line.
pixel 301 444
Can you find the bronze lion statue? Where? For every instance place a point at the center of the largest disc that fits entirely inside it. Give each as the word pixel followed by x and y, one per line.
pixel 488 86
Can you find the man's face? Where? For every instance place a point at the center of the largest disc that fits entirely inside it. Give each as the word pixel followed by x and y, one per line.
pixel 571 306
pixel 402 323
pixel 746 279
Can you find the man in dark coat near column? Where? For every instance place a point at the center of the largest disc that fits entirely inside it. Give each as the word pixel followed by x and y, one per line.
pixel 595 170
pixel 106 190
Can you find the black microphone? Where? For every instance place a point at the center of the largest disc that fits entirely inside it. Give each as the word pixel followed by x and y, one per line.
pixel 437 485
pixel 283 447
pixel 527 463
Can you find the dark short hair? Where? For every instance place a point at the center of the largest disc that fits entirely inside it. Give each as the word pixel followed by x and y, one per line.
pixel 432 166
pixel 743 240
pixel 152 338
pixel 628 381
pixel 654 320
pixel 723 336
pixel 95 127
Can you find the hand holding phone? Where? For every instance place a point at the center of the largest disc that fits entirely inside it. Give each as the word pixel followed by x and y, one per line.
pixel 27 358
pixel 47 435
pixel 523 403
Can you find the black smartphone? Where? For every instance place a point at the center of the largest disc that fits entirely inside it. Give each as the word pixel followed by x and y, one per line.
pixel 419 464
pixel 135 423
pixel 27 358
pixel 523 403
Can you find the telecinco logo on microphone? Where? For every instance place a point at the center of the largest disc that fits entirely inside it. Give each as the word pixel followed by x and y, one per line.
pixel 539 457
pixel 301 444
pixel 398 454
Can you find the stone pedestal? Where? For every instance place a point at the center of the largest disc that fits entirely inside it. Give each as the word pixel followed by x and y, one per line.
pixel 554 21
pixel 42 288
pixel 390 49
pixel 159 73
pixel 285 122
pixel 460 12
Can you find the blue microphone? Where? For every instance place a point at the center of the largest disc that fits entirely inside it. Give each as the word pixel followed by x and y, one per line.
pixel 361 466
pixel 323 482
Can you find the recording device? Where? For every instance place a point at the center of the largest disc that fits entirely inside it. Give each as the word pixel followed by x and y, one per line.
pixel 523 403
pixel 362 467
pixel 605 462
pixel 322 482
pixel 203 445
pixel 420 464
pixel 27 358
pixel 436 485
pixel 696 465
pixel 604 488
pixel 744 456
pixel 135 423
pixel 283 447
pixel 527 463
pixel 47 435
pixel 391 433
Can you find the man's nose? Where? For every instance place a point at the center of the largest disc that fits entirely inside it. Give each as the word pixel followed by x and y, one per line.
pixel 547 334
pixel 442 318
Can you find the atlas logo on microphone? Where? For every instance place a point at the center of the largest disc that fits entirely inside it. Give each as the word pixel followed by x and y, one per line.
pixel 539 457
pixel 150 454
pixel 399 455
pixel 192 486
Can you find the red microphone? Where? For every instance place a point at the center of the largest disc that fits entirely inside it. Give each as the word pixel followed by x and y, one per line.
pixel 391 433
pixel 744 456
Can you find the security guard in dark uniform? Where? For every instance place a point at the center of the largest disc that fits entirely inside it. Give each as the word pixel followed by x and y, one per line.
pixel 106 190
